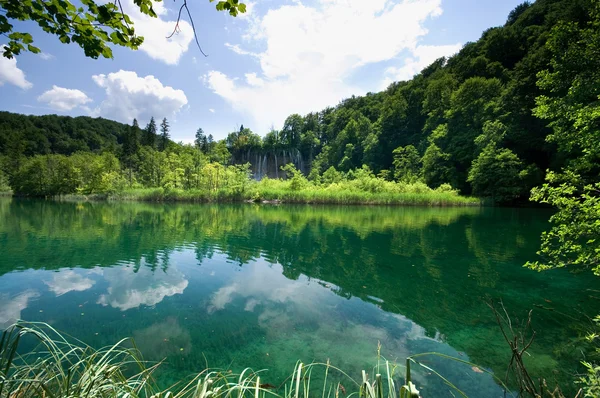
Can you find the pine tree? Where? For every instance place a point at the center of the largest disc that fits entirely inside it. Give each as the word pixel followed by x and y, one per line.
pixel 150 134
pixel 164 135
pixel 210 143
pixel 200 139
pixel 130 142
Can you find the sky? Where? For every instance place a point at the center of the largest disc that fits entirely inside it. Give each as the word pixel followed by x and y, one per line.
pixel 281 57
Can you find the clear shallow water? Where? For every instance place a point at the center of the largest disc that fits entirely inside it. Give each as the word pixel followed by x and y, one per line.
pixel 265 286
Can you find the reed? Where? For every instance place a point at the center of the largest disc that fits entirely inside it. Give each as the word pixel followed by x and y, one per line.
pixel 61 366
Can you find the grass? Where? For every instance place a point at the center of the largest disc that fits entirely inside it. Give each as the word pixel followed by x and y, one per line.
pixel 324 196
pixel 61 366
pixel 273 195
pixel 373 192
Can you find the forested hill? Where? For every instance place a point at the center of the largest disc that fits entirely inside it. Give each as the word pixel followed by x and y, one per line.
pixel 477 120
pixel 33 135
pixel 468 120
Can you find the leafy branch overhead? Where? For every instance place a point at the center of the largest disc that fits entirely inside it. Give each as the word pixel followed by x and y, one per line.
pixel 94 27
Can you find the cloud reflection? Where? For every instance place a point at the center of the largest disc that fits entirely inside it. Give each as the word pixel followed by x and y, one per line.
pixel 66 281
pixel 11 307
pixel 129 289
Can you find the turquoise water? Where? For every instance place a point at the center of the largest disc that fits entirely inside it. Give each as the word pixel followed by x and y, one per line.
pixel 265 286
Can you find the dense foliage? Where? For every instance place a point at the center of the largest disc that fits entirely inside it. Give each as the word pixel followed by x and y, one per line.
pixel 571 103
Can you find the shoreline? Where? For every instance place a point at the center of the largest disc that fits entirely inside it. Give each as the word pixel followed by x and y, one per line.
pixel 160 195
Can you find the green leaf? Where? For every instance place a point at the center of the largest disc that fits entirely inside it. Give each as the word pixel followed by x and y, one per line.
pixel 33 49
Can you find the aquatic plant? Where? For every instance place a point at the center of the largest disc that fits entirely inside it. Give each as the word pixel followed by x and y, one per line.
pixel 61 366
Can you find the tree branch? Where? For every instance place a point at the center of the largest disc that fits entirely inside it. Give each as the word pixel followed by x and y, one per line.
pixel 184 5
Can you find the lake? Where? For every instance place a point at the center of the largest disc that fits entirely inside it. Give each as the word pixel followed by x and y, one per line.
pixel 263 286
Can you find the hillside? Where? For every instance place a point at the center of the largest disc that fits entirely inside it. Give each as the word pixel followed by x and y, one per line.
pixel 435 125
pixel 34 135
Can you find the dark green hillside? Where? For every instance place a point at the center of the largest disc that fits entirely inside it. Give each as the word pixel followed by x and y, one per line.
pixel 40 135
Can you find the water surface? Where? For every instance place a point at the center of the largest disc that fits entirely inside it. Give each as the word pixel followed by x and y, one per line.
pixel 234 286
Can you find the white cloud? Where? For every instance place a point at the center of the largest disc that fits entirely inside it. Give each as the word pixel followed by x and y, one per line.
pixel 64 99
pixel 254 80
pixel 131 96
pixel 10 73
pixel 46 56
pixel 311 52
pixel 68 281
pixel 423 56
pixel 155 32
pixel 129 289
pixel 211 110
pixel 238 50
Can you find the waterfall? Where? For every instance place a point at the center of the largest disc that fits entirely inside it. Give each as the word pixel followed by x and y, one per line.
pixel 257 168
pixel 276 168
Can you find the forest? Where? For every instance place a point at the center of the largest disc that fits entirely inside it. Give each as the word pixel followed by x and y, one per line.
pixel 479 122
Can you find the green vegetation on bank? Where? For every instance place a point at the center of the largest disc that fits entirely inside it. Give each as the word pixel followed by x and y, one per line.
pixel 185 174
pixel 361 187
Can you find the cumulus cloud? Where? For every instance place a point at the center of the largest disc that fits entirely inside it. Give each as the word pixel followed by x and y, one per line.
pixel 422 56
pixel 156 30
pixel 311 53
pixel 64 99
pixel 68 281
pixel 129 289
pixel 131 96
pixel 11 74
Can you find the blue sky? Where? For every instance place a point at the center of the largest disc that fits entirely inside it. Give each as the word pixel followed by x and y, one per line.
pixel 281 57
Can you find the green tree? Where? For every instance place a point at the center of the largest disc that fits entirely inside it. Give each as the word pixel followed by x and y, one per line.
pixel 94 27
pixel 131 141
pixel 471 105
pixel 201 141
pixel 437 169
pixel 295 176
pixel 571 104
pixel 149 136
pixel 163 142
pixel 219 153
pixel 331 175
pixel 407 163
pixel 292 131
pixel 498 174
pixel 4 184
